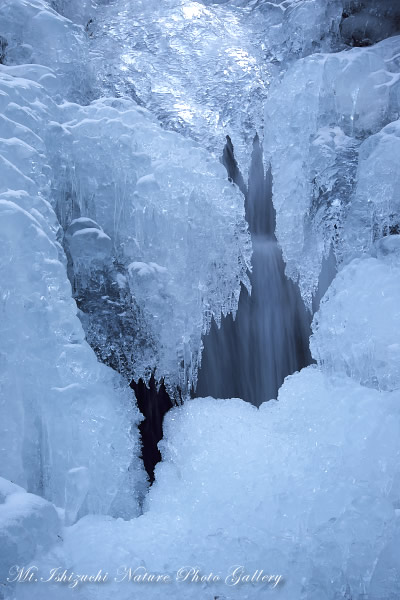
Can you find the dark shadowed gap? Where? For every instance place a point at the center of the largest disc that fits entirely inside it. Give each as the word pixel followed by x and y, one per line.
pixel 229 162
pixel 153 403
pixel 367 22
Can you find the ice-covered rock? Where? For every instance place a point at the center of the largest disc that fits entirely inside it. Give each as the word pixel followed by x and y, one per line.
pixel 366 22
pixel 375 207
pixel 33 32
pixel 28 524
pixel 81 12
pixel 87 243
pixel 356 328
pixel 315 120
pixel 309 26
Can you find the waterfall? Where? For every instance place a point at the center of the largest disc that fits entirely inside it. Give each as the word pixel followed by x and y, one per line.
pixel 248 357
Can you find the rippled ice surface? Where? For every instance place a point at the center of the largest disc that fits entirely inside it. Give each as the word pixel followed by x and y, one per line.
pixel 198 67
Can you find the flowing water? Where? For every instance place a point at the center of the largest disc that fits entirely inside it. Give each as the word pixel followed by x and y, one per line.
pixel 249 357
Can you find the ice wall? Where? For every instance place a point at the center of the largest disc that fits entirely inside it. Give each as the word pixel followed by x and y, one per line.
pixel 141 188
pixel 60 408
pixel 199 68
pixel 325 192
pixel 152 237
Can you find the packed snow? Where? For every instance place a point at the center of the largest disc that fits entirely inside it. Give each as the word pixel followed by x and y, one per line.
pixel 296 488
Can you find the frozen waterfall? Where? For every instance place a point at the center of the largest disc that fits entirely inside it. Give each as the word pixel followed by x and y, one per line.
pixel 127 247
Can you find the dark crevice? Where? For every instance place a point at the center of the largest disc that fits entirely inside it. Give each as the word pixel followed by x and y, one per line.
pixel 153 402
pixel 3 47
pixel 229 161
pixel 366 22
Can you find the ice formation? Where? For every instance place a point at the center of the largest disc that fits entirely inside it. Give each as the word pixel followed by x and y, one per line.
pixel 328 190
pixel 357 327
pixel 60 408
pixel 198 68
pixel 114 153
pixel 122 237
pixel 34 33
pixel 155 229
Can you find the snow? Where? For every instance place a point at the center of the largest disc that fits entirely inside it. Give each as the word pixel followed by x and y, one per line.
pixel 356 328
pixel 28 523
pixel 296 488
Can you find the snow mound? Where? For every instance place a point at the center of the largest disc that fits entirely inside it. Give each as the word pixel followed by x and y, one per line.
pixel 28 524
pixel 356 328
pixel 306 488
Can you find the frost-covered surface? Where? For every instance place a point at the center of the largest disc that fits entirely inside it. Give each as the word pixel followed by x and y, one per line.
pixel 60 408
pixel 316 119
pixel 198 68
pixel 28 524
pixel 306 487
pixel 356 330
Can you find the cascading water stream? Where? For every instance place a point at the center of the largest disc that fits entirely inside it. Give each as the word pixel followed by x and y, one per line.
pixel 248 357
